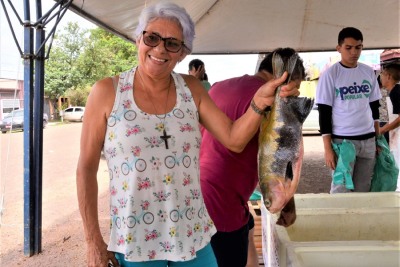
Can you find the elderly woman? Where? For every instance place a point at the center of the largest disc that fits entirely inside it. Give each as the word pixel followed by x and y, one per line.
pixel 146 121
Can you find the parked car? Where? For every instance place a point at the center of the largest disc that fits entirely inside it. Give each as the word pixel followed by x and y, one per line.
pixel 15 121
pixel 73 114
pixel 311 124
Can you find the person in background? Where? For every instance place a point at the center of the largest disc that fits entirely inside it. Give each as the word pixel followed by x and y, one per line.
pixel 348 103
pixel 205 82
pixel 383 108
pixel 147 123
pixel 198 70
pixel 228 178
pixel 390 78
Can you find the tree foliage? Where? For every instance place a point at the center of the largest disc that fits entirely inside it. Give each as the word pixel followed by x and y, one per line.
pixel 62 71
pixel 78 97
pixel 80 57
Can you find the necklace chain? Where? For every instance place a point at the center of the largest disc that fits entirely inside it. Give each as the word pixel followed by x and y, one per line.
pixel 151 100
pixel 165 136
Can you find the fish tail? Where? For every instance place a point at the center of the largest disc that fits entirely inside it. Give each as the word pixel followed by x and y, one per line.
pixel 291 64
pixel 277 65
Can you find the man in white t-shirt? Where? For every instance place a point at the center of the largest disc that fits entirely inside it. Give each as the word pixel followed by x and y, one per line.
pixel 348 102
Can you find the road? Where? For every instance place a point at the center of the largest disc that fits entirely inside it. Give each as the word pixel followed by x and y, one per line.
pixel 60 156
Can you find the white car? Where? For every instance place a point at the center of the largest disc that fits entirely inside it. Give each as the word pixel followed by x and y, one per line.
pixel 311 124
pixel 73 114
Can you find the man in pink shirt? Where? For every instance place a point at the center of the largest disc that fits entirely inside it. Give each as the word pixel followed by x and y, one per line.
pixel 227 178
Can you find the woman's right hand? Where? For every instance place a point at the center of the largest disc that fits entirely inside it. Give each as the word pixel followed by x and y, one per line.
pixel 98 255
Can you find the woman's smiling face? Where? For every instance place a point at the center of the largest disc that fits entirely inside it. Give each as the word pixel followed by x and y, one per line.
pixel 157 61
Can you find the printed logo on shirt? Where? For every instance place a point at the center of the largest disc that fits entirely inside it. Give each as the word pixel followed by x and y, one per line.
pixel 354 91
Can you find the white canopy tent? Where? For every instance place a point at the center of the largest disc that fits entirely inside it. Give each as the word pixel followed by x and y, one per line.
pixel 257 26
pixel 222 27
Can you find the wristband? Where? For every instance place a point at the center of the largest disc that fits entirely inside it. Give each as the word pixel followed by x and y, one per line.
pixel 258 110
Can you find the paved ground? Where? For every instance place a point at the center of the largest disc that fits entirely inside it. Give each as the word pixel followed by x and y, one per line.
pixel 62 236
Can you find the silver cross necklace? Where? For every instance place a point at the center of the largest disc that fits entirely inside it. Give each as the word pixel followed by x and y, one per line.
pixel 165 136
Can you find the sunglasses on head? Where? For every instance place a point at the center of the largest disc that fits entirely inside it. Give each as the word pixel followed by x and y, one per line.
pixel 153 39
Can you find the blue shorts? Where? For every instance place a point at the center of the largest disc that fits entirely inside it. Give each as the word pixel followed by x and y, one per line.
pixel 204 257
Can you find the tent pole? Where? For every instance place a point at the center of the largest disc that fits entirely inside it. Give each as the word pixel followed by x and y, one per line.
pixel 29 192
pixel 38 128
pixel 34 68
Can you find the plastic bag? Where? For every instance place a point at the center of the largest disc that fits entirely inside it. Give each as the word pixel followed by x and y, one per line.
pixel 255 196
pixel 385 171
pixel 346 154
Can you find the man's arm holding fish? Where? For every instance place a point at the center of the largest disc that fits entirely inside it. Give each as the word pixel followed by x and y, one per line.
pixel 235 135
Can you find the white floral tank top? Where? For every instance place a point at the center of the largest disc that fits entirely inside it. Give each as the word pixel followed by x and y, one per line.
pixel 157 209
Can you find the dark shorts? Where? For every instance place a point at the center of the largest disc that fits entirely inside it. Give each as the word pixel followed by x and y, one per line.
pixel 230 248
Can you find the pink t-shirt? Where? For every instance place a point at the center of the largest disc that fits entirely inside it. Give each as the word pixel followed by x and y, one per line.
pixel 227 178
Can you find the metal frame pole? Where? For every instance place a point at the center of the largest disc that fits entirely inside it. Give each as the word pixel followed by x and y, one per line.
pixel 34 67
pixel 38 100
pixel 29 197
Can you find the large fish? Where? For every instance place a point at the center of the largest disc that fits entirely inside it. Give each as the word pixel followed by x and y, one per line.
pixel 280 151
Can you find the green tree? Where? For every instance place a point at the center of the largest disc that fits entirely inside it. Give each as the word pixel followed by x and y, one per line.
pixel 106 55
pixel 62 69
pixel 79 57
pixel 79 96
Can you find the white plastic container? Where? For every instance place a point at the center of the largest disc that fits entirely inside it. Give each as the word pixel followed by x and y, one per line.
pixel 340 229
pixel 345 254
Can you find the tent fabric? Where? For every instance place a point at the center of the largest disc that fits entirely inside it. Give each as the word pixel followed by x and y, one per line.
pixel 390 56
pixel 258 26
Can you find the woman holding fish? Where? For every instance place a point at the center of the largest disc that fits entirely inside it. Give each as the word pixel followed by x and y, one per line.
pixel 146 122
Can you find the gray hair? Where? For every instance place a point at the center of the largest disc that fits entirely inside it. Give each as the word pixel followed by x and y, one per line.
pixel 169 11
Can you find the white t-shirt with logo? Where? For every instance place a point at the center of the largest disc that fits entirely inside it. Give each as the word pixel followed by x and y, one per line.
pixel 349 91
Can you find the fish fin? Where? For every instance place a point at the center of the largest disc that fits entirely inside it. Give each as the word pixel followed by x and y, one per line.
pixel 297 164
pixel 300 106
